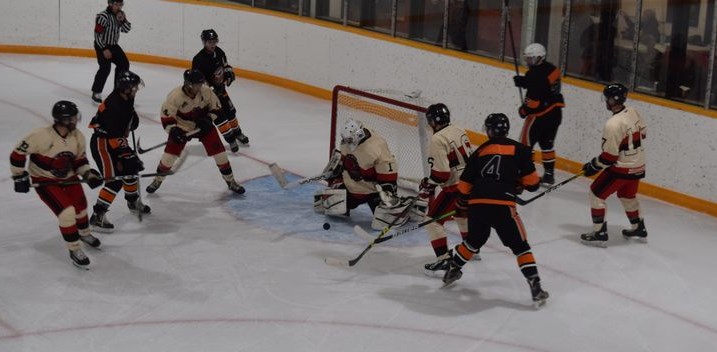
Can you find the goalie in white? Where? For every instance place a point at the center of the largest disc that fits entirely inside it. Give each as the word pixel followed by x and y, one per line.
pixel 363 170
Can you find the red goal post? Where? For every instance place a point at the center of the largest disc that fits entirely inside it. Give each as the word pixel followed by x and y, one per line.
pixel 399 118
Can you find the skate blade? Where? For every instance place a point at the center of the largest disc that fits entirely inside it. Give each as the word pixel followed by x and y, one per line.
pixel 449 284
pixel 539 303
pixel 636 239
pixel 599 244
pixel 83 267
pixel 102 229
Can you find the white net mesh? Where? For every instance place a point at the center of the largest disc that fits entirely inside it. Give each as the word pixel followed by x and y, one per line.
pixel 397 117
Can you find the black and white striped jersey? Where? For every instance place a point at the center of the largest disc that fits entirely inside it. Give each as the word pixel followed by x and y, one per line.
pixel 108 28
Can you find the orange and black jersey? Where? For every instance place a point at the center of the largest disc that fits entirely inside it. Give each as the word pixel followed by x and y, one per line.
pixel 543 90
pixel 495 169
pixel 211 65
pixel 115 117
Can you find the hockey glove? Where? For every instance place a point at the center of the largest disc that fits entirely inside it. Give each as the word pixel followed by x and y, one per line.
pixel 519 189
pixel 591 168
pixel 426 189
pixel 178 135
pixel 229 76
pixel 93 178
pixel 351 165
pixel 462 206
pixel 205 126
pixel 130 164
pixel 22 182
pixel 520 81
pixel 522 112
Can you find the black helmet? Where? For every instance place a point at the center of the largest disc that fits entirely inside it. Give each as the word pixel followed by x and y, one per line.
pixel 438 114
pixel 193 76
pixel 497 125
pixel 616 92
pixel 63 110
pixel 209 34
pixel 128 80
pixel 114 1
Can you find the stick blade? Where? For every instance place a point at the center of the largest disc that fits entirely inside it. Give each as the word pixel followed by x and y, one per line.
pixel 339 262
pixel 278 174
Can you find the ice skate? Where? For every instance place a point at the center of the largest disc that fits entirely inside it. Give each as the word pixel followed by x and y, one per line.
pixel 79 259
pixel 154 186
pixel 439 267
pixel 91 241
pixel 99 222
pixel 596 238
pixel 235 187
pixel 639 234
pixel 241 137
pixel 547 180
pixel 234 146
pixel 452 274
pixel 135 206
pixel 539 296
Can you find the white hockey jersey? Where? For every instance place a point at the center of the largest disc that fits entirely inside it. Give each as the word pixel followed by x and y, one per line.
pixel 182 110
pixel 448 154
pixel 51 156
pixel 622 144
pixel 377 165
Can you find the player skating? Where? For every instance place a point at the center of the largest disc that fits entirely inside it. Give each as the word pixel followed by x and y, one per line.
pixel 56 154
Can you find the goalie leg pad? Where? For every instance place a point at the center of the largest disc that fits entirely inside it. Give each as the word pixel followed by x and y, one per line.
pixel 384 215
pixel 330 202
pixel 419 210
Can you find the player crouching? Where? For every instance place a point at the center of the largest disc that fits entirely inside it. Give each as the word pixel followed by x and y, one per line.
pixel 363 170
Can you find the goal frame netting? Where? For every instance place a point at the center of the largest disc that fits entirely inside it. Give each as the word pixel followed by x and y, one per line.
pixel 397 117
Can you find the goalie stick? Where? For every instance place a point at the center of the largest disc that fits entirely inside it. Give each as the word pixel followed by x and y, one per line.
pixel 278 174
pixel 358 230
pixel 351 262
pixel 520 201
pixel 114 178
pixel 142 151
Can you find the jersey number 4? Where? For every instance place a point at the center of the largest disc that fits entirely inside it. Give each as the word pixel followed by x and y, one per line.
pixel 491 169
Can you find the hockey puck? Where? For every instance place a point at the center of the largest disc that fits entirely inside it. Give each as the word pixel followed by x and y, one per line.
pixel 327 226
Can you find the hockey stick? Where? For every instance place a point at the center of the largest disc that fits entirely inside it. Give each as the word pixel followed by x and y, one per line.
pixel 512 45
pixel 358 230
pixel 520 201
pixel 352 262
pixel 113 178
pixel 139 187
pixel 142 151
pixel 278 174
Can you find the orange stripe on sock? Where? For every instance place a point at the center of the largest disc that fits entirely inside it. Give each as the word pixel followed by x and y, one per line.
pixel 464 252
pixel 526 258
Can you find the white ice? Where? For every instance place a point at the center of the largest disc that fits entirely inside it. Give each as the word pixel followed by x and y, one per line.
pixel 210 271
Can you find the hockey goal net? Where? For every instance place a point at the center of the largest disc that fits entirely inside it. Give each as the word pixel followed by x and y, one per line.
pixel 399 118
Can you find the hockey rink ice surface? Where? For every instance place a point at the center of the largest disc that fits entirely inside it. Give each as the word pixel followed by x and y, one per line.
pixel 211 271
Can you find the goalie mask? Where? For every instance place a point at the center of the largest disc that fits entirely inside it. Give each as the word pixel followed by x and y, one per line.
pixel 352 134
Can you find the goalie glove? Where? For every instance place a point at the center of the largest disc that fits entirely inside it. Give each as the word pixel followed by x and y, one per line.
pixel 387 192
pixel 419 210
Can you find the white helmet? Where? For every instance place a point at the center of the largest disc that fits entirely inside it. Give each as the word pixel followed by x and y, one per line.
pixel 352 134
pixel 534 54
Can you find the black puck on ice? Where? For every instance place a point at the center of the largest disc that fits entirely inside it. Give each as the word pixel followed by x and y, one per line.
pixel 327 226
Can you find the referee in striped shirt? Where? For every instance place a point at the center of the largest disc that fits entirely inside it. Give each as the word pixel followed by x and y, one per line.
pixel 108 25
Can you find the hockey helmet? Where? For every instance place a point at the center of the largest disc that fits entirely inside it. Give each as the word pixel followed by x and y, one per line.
pixel 63 111
pixel 534 54
pixel 115 1
pixel 497 125
pixel 615 91
pixel 438 114
pixel 209 34
pixel 129 80
pixel 352 134
pixel 193 77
